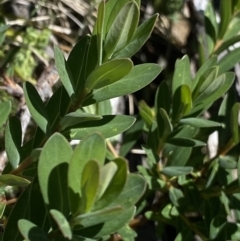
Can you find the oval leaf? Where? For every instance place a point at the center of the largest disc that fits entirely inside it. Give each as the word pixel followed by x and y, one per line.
pixel 176 171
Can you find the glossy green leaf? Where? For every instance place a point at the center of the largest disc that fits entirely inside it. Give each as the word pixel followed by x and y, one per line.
pixel 228 162
pixel 225 14
pixel 91 147
pixel 133 190
pixel 89 185
pixel 52 172
pixel 217 225
pixel 182 102
pixel 109 126
pixel 108 73
pixel 30 231
pixel 122 29
pixel 77 61
pixel 13 141
pixel 36 106
pixel 226 44
pixel 94 218
pixel 200 123
pixel 107 173
pixel 100 30
pixel 12 180
pixel 176 171
pixel 234 124
pixel 140 37
pixel 207 65
pixel 228 62
pixel 5 109
pixel 140 76
pixel 115 187
pixel 62 223
pixel 185 142
pixel 76 118
pixel 63 72
pixel 182 75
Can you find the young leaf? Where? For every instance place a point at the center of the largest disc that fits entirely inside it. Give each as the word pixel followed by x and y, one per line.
pixel 115 186
pixel 13 141
pixel 140 76
pixel 30 231
pixel 5 109
pixel 89 185
pixel 77 63
pixel 36 106
pixel 52 172
pixel 91 147
pixel 140 37
pixel 62 223
pixel 12 180
pixel 63 72
pixel 176 171
pixel 108 73
pixel 164 124
pixel 182 74
pixel 122 29
pixel 109 126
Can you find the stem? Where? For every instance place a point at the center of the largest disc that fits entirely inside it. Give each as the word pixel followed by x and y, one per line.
pixel 111 148
pixel 23 165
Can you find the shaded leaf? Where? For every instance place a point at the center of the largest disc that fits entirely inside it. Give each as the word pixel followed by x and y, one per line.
pixel 36 106
pixel 234 125
pixel 185 142
pixel 62 223
pixel 5 109
pixel 12 180
pixel 176 171
pixel 217 225
pixel 199 122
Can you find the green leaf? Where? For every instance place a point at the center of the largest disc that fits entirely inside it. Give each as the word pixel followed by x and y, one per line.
pixel 5 109
pixel 203 69
pixel 127 233
pixel 228 162
pixel 182 75
pixel 199 123
pixel 234 125
pixel 182 102
pixel 109 126
pixel 108 73
pixel 140 76
pixel 36 106
pixel 238 170
pixel 185 142
pixel 13 141
pixel 77 63
pixel 176 171
pixel 76 118
pixel 12 180
pixel 52 172
pixel 228 62
pixel 110 226
pixel 115 187
pixel 164 124
pixel 140 37
pixel 100 30
pixel 217 225
pixel 30 231
pixel 94 218
pixel 91 147
pixel 133 190
pixel 225 16
pixel 3 204
pixel 176 195
pixel 89 185
pixel 213 172
pixel 226 202
pixel 63 71
pixel 146 113
pixel 62 223
pixel 122 29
